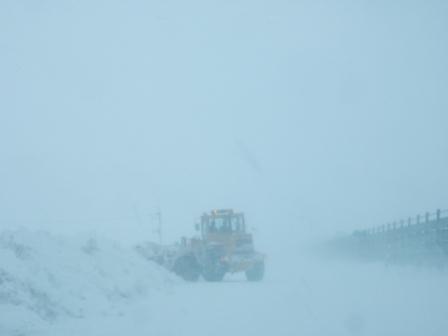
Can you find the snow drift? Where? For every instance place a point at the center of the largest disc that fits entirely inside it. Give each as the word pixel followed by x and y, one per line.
pixel 44 278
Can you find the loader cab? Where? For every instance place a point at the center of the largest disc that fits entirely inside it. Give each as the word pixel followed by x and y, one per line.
pixel 222 223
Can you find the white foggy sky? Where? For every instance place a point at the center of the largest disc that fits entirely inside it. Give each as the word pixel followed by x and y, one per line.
pixel 111 108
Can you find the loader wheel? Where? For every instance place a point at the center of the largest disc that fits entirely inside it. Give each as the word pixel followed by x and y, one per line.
pixel 187 268
pixel 256 272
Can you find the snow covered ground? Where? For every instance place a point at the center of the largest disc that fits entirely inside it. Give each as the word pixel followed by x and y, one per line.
pixel 57 286
pixel 46 281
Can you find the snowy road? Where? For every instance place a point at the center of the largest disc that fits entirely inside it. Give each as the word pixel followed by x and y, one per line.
pixel 315 299
pixel 51 286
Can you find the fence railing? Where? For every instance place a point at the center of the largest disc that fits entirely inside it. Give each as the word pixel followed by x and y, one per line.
pixel 426 218
pixel 419 239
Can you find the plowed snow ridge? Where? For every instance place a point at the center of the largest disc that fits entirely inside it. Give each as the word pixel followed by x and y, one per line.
pixel 44 278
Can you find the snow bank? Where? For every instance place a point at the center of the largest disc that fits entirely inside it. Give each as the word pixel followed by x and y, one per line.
pixel 44 279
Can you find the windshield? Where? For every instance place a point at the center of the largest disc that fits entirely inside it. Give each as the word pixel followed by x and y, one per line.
pixel 225 224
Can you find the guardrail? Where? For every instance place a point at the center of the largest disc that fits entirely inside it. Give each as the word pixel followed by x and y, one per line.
pixel 427 218
pixel 421 239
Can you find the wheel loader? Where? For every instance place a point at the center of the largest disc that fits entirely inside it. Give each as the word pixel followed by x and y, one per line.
pixel 223 246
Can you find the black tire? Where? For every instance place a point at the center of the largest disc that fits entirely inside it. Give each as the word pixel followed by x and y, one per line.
pixel 187 268
pixel 256 272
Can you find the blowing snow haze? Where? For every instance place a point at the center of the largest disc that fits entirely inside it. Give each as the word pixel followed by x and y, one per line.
pixel 315 118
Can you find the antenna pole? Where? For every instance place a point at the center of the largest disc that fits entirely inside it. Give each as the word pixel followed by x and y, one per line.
pixel 159 225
